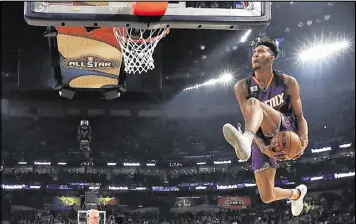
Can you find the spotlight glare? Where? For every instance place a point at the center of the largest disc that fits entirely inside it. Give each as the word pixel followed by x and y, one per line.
pixel 225 78
pixel 210 82
pixel 322 51
pixel 245 36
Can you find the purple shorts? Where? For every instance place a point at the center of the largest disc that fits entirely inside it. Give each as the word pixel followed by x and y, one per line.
pixel 259 160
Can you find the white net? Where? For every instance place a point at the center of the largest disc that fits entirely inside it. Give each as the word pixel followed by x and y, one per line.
pixel 137 46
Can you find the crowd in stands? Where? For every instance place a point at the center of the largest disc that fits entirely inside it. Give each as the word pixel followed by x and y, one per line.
pixel 157 137
pixel 292 170
pixel 320 211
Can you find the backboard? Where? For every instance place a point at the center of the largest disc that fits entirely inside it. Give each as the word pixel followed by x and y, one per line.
pixel 234 15
pixel 136 27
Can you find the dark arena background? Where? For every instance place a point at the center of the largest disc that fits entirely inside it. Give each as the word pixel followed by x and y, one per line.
pixel 157 153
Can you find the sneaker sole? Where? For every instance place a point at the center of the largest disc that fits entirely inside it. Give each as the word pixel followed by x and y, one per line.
pixel 302 198
pixel 233 137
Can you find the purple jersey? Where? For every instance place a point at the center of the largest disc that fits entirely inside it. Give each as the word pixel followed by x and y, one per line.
pixel 275 95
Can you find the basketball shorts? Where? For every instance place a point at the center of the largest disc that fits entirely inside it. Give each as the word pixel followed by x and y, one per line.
pixel 261 161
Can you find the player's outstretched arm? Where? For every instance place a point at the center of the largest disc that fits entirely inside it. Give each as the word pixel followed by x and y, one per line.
pixel 241 94
pixel 293 91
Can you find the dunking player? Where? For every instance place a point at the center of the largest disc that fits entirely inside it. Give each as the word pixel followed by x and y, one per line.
pixel 270 102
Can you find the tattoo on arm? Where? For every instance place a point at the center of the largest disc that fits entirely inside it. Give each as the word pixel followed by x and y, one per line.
pixel 286 80
pixel 241 94
pixel 241 87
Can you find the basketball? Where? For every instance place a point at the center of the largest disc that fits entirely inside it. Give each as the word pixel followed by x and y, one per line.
pixel 288 142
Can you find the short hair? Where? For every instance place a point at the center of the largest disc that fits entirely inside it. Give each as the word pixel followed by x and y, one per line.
pixel 92 212
pixel 271 44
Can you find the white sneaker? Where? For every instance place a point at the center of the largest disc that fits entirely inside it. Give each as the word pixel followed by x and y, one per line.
pixel 297 205
pixel 239 141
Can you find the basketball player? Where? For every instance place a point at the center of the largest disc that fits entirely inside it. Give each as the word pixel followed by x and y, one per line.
pixel 93 216
pixel 270 102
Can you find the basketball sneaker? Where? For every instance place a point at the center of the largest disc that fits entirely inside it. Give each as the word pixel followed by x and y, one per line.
pixel 298 204
pixel 241 142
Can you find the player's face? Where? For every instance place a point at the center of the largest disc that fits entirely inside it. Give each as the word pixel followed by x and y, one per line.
pixel 261 57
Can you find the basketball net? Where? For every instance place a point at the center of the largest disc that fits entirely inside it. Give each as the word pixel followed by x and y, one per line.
pixel 137 47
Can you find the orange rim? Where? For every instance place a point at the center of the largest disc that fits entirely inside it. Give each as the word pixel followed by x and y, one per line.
pixel 163 34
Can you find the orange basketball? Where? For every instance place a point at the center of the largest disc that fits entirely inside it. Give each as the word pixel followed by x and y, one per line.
pixel 288 142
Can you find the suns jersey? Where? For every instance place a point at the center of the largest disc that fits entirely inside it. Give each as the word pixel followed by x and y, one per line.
pixel 275 95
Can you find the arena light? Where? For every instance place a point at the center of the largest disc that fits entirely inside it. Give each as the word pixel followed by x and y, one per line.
pixel 94 187
pixel 111 164
pixel 225 77
pixel 62 163
pixel 201 163
pixel 42 163
pixel 245 36
pixel 226 187
pixel 131 164
pixel 12 187
pixel 341 175
pixel 316 178
pixel 325 149
pixel 150 164
pixel 35 187
pixel 117 188
pixel 290 183
pixel 139 189
pixel 344 146
pixel 22 163
pixel 222 162
pixel 249 185
pixel 322 50
pixel 200 188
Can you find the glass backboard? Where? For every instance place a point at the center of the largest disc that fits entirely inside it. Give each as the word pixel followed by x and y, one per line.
pixel 234 15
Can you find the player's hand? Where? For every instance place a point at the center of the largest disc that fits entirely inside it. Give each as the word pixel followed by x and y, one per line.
pixel 304 145
pixel 268 150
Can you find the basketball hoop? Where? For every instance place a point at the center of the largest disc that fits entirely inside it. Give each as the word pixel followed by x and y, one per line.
pixel 137 47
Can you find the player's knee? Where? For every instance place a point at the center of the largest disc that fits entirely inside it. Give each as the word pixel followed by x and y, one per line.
pixel 253 101
pixel 267 198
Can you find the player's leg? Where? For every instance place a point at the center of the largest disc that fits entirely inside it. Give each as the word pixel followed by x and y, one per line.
pixel 265 172
pixel 257 115
pixel 260 115
pixel 268 192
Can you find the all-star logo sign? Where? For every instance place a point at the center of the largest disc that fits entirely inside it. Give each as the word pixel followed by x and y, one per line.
pixel 90 62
